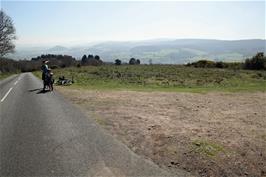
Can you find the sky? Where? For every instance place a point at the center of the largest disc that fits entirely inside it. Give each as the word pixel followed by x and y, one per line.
pixel 77 22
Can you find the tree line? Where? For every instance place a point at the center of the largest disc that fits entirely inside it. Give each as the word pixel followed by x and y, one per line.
pixel 55 61
pixel 132 61
pixel 257 62
pixel 90 60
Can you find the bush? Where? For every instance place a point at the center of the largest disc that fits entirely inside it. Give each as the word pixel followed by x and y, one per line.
pixel 118 62
pixel 8 65
pixel 203 64
pixel 134 61
pixel 258 62
pixel 94 62
pixel 221 64
pixel 218 64
pixel 54 67
pixel 97 57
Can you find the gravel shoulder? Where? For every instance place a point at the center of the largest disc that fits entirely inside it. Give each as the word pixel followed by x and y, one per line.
pixel 212 134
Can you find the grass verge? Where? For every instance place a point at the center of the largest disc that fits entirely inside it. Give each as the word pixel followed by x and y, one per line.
pixel 163 78
pixel 5 75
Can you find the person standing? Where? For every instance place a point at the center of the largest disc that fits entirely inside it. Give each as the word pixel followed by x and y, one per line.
pixel 45 69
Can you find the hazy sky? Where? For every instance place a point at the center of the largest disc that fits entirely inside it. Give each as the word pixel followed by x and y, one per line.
pixel 71 22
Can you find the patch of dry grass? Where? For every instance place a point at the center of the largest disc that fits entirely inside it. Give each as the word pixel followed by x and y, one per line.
pixel 212 134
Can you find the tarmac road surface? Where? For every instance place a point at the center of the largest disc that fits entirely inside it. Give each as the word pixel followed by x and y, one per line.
pixel 42 134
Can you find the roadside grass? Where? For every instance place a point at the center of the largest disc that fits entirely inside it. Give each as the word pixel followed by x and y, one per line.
pixel 163 78
pixel 5 75
pixel 99 120
pixel 38 74
pixel 207 148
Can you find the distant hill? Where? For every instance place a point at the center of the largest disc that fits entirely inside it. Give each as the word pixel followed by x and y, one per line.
pixel 160 51
pixel 57 49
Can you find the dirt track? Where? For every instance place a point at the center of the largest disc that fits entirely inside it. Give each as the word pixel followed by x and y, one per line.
pixel 214 134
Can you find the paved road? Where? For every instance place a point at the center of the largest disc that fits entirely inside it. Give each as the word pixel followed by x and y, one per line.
pixel 41 134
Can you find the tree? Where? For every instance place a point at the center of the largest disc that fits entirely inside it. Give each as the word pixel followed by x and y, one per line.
pixel 118 62
pixel 97 57
pixel 132 61
pixel 137 62
pixel 84 59
pixel 90 56
pixel 258 62
pixel 7 34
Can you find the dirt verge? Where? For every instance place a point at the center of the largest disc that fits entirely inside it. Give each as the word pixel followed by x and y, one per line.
pixel 214 134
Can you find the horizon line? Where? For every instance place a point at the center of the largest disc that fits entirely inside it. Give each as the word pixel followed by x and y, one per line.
pixel 74 43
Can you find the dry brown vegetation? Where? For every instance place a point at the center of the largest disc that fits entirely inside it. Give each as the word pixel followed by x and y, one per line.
pixel 213 134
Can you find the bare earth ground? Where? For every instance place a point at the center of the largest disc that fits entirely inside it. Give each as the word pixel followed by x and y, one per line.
pixel 213 134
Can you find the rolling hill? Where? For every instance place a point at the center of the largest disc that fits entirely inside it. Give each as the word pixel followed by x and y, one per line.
pixel 159 51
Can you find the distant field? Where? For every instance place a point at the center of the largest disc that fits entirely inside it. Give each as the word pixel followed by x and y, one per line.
pixel 163 78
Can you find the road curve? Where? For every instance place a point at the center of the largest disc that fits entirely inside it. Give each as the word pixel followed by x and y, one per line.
pixel 42 134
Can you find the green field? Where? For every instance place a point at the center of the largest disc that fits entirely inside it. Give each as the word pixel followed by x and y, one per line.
pixel 163 78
